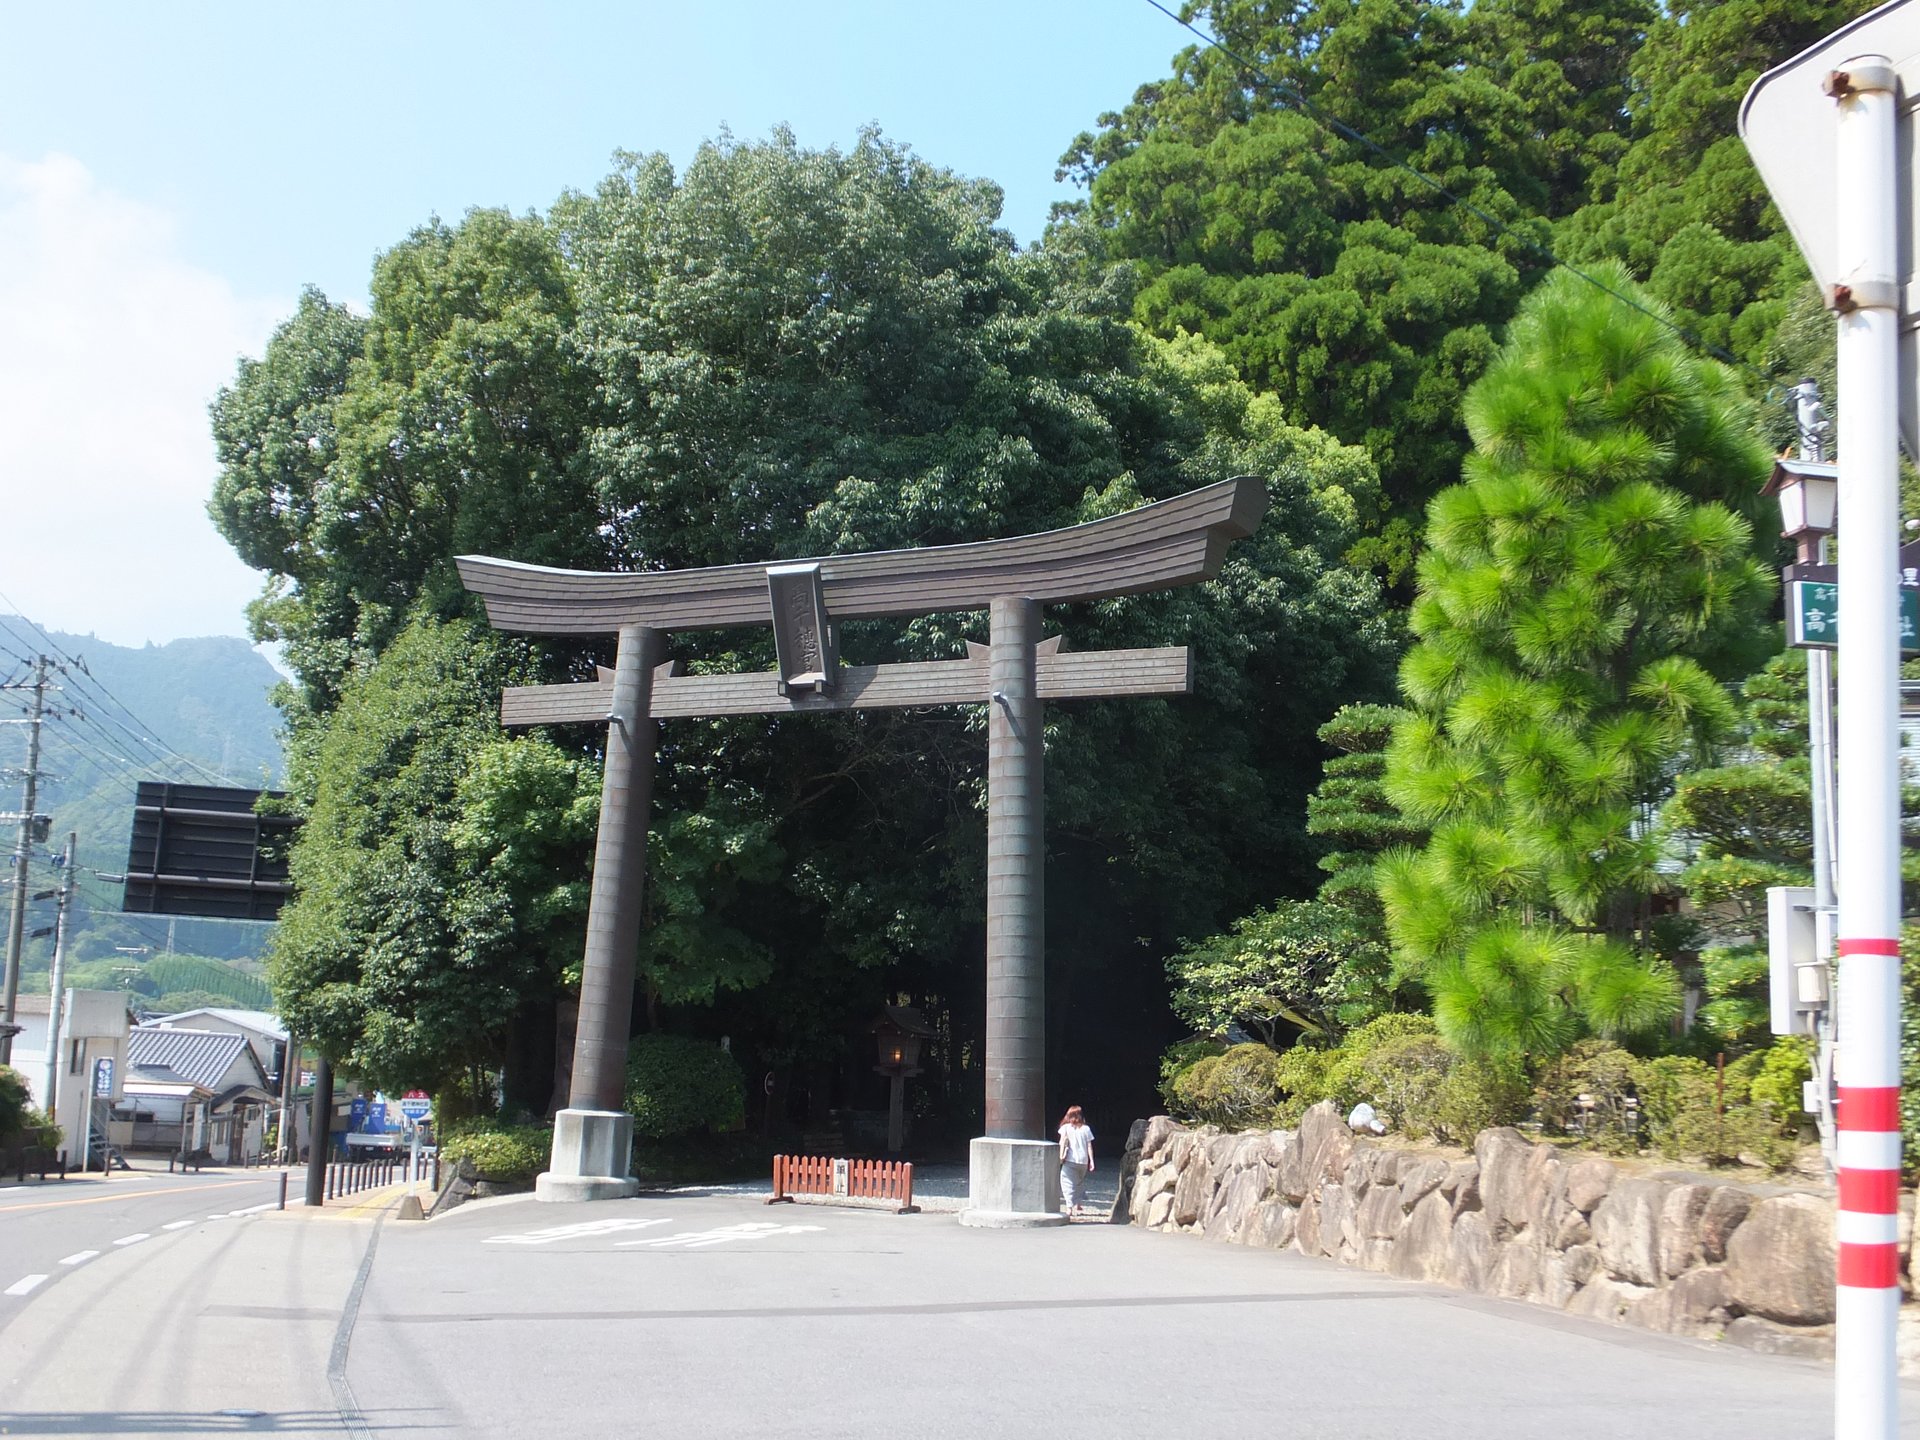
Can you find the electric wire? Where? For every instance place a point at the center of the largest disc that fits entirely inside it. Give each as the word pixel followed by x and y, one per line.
pixel 1291 95
pixel 74 668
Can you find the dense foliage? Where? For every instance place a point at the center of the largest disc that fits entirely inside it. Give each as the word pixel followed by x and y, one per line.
pixel 1333 270
pixel 781 352
pixel 1580 589
pixel 677 1085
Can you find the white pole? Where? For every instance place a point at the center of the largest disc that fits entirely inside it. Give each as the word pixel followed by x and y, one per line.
pixel 1867 299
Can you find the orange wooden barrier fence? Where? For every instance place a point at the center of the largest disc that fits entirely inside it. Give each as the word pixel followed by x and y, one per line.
pixel 890 1180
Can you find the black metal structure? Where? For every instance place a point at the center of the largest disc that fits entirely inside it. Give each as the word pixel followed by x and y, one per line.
pixel 202 850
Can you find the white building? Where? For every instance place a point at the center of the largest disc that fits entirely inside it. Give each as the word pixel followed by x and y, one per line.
pixel 88 1062
pixel 188 1091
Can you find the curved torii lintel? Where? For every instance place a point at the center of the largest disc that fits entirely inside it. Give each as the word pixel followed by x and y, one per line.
pixel 1173 542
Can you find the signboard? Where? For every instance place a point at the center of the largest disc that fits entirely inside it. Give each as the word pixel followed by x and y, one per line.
pixel 1813 616
pixel 416 1105
pixel 1790 127
pixel 840 1177
pixel 202 850
pixel 103 1078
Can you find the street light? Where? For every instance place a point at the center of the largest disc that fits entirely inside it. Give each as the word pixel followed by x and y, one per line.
pixel 1808 493
pixel 897 1035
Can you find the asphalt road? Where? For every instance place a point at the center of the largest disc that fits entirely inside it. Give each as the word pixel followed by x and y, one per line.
pixel 723 1317
pixel 49 1231
pixel 717 1316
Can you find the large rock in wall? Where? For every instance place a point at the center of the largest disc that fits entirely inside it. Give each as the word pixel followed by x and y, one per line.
pixel 1518 1219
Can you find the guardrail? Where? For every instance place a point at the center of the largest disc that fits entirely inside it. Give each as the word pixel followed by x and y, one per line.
pixel 350 1177
pixel 835 1178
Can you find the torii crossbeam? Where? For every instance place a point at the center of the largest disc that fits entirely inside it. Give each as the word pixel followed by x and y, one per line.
pixel 1173 542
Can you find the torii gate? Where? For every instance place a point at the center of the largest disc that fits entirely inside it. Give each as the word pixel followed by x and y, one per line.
pixel 1013 1178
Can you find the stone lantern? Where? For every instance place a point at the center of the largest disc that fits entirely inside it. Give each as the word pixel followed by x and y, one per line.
pixel 897 1035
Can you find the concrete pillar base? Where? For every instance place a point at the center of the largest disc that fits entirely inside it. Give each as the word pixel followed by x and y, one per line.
pixel 1012 1184
pixel 592 1153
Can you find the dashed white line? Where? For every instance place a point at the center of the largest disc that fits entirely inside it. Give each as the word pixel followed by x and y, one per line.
pixel 27 1286
pixel 80 1257
pixel 134 1239
pixel 255 1209
pixel 177 1225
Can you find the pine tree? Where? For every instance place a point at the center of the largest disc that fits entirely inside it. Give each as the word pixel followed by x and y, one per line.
pixel 1582 588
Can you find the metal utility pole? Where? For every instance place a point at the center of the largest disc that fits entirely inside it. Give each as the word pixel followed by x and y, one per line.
pixel 22 852
pixel 1867 302
pixel 57 992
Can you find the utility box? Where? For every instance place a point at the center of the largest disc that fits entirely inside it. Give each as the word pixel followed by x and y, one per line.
pixel 1796 976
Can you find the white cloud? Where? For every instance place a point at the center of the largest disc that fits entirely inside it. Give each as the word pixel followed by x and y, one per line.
pixel 111 347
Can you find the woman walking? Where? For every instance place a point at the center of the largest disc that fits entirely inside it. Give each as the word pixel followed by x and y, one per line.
pixel 1076 1159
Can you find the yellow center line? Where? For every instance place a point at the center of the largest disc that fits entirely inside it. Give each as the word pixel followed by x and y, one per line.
pixel 128 1195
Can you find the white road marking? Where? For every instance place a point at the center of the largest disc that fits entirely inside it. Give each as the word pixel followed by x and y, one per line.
pixel 80 1257
pixel 26 1286
pixel 255 1209
pixel 176 1225
pixel 134 1239
pixel 725 1234
pixel 584 1230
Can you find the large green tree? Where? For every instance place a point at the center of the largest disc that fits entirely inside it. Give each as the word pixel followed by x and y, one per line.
pixel 1685 209
pixel 1583 590
pixel 429 906
pixel 358 456
pixel 1354 223
pixel 795 352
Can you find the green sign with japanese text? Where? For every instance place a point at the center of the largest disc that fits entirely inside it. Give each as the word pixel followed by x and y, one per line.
pixel 1813 616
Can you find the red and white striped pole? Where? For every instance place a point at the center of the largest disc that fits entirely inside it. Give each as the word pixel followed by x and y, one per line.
pixel 1867 299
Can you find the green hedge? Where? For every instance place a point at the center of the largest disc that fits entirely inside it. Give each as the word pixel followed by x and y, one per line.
pixel 501 1154
pixel 679 1086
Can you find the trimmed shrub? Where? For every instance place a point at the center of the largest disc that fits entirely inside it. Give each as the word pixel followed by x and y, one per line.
pixel 1177 1059
pixel 1235 1090
pixel 500 1154
pixel 677 1086
pixel 1417 1083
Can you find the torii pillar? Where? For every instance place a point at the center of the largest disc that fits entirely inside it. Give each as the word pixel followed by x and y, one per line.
pixel 1014 1175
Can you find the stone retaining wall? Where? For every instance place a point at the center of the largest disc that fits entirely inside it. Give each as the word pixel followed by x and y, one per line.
pixel 1683 1254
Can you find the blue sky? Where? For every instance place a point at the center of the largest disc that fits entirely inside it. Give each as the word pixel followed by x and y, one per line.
pixel 170 176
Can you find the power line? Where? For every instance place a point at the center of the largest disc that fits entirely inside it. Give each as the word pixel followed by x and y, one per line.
pixel 75 669
pixel 1291 95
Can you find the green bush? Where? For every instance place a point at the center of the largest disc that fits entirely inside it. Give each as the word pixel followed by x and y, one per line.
pixel 501 1154
pixel 13 1104
pixel 1235 1090
pixel 1402 1078
pixel 1309 1075
pixel 39 1129
pixel 1178 1058
pixel 1417 1083
pixel 1476 1095
pixel 1599 1073
pixel 678 1086
pixel 1785 1066
pixel 1688 1113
